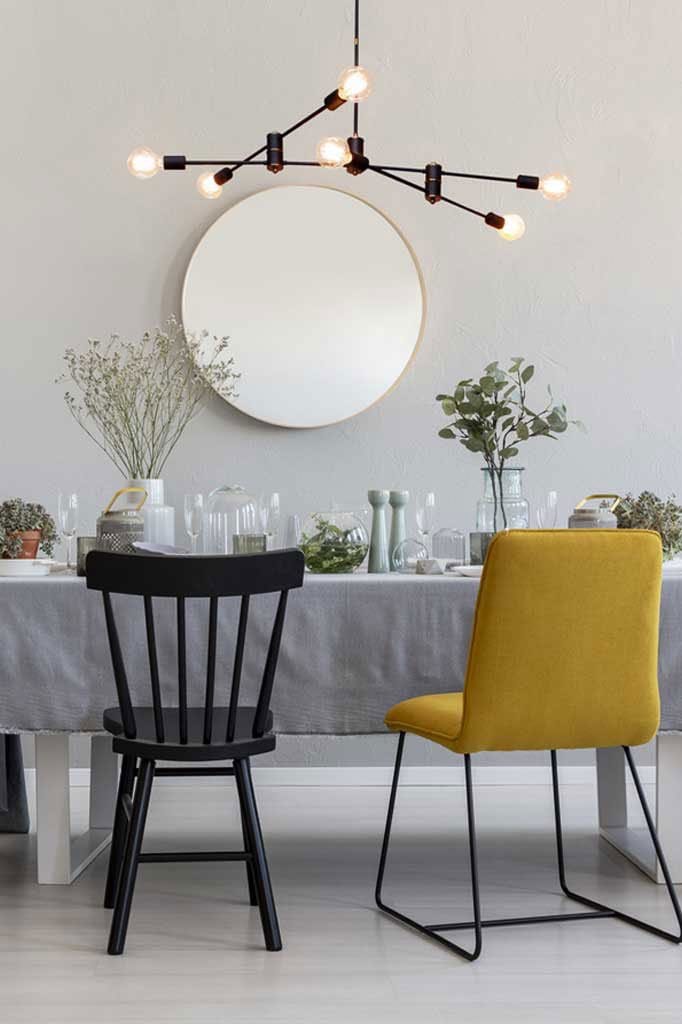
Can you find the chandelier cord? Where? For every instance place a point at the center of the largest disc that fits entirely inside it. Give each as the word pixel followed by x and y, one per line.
pixel 356 61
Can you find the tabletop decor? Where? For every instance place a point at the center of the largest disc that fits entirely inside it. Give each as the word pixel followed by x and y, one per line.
pixel 649 512
pixel 397 500
pixel 491 417
pixel 25 527
pixel 601 516
pixel 119 529
pixel 231 513
pixel 378 544
pixel 354 86
pixel 333 542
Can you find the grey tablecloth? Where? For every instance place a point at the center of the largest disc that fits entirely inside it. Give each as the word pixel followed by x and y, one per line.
pixel 353 646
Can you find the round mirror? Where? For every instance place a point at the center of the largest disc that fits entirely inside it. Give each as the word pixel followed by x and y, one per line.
pixel 320 296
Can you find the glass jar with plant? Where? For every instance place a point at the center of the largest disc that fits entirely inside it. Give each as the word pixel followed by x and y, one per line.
pixel 25 526
pixel 333 542
pixel 491 417
pixel 649 512
pixel 136 398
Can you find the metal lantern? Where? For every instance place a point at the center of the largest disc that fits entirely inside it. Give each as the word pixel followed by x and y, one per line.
pixel 118 529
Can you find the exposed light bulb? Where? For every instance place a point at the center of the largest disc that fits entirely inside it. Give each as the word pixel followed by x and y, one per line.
pixel 207 186
pixel 143 162
pixel 354 84
pixel 333 151
pixel 514 227
pixel 555 186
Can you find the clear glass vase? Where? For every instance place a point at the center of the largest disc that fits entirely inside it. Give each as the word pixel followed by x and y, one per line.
pixel 503 506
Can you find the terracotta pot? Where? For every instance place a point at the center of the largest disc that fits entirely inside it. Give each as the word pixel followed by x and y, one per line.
pixel 30 542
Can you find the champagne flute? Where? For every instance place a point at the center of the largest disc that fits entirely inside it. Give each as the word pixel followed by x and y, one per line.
pixel 426 514
pixel 270 515
pixel 67 514
pixel 546 514
pixel 194 518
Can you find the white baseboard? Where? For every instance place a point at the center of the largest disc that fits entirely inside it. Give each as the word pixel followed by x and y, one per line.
pixel 432 775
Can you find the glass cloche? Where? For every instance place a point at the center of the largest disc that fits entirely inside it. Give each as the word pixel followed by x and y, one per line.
pixel 230 512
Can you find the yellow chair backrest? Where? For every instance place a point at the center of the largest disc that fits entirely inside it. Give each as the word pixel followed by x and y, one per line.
pixel 564 648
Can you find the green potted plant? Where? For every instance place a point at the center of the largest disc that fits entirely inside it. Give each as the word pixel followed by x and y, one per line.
pixel 491 417
pixel 649 512
pixel 25 527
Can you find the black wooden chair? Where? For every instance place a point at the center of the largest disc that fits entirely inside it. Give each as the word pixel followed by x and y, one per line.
pixel 214 732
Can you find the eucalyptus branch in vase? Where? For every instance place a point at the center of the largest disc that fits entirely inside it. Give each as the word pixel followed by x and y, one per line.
pixel 134 399
pixel 491 417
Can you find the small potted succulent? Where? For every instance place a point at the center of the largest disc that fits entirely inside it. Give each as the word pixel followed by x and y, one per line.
pixel 25 526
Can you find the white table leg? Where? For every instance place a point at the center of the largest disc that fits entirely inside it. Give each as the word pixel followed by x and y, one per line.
pixel 61 858
pixel 635 843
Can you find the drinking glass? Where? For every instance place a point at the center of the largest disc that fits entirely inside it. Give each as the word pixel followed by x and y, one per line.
pixel 67 514
pixel 194 518
pixel 546 514
pixel 270 515
pixel 426 514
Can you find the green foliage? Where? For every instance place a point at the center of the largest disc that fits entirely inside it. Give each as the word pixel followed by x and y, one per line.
pixel 332 549
pixel 136 397
pixel 649 512
pixel 16 517
pixel 490 417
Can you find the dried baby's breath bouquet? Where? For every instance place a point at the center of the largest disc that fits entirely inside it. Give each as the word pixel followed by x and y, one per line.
pixel 135 398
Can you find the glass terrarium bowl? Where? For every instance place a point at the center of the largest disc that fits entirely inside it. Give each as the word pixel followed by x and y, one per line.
pixel 406 555
pixel 333 542
pixel 230 513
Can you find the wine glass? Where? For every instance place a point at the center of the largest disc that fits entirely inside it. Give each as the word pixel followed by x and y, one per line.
pixel 426 514
pixel 67 514
pixel 194 518
pixel 270 515
pixel 546 514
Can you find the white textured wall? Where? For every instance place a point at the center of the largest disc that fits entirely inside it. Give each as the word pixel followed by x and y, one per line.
pixel 589 87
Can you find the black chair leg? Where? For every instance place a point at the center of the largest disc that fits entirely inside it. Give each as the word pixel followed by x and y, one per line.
pixel 124 896
pixel 431 931
pixel 253 894
pixel 261 875
pixel 600 908
pixel 118 838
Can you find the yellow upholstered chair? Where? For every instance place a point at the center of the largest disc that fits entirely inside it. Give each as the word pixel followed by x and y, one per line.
pixel 563 654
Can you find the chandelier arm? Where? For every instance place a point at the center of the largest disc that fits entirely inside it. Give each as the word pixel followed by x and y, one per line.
pixel 394 177
pixel 521 180
pixel 492 219
pixel 231 167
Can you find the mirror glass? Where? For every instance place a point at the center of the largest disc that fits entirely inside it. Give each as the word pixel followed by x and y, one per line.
pixel 320 296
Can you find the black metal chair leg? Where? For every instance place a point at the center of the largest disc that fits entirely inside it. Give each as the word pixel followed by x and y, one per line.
pixel 124 896
pixel 253 894
pixel 126 782
pixel 431 931
pixel 261 875
pixel 600 907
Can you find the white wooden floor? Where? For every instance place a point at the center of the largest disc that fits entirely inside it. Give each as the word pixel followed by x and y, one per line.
pixel 195 954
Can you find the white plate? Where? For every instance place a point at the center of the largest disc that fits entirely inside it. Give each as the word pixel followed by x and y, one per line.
pixel 23 567
pixel 469 570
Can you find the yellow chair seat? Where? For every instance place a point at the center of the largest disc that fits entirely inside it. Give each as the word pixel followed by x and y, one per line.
pixel 435 716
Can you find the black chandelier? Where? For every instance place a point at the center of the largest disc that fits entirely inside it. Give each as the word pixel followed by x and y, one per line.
pixel 354 86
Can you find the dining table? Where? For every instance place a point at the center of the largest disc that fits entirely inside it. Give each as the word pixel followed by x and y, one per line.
pixel 353 645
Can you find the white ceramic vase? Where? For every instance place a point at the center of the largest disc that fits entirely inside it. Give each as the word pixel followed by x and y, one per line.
pixel 159 518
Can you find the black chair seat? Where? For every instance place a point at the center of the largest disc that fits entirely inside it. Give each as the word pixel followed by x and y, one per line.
pixel 145 744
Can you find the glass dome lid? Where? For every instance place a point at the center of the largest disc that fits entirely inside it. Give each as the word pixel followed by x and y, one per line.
pixel 230 511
